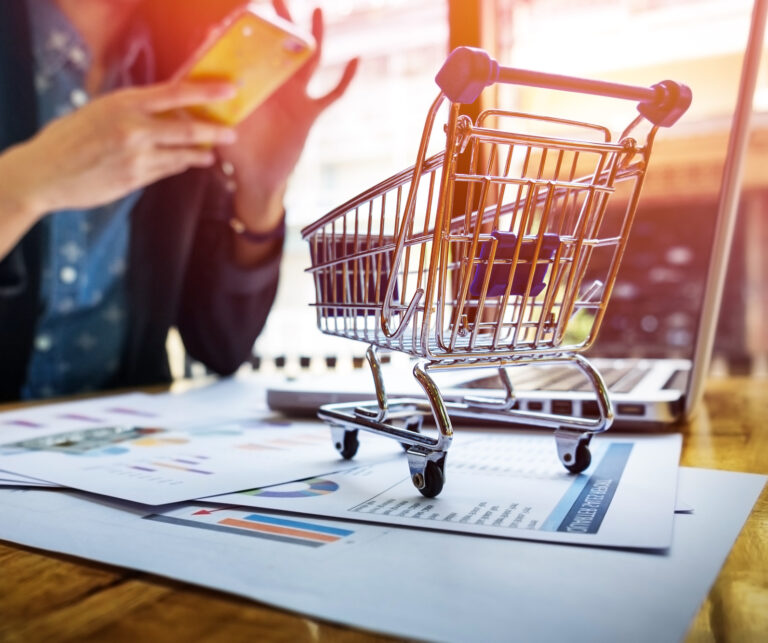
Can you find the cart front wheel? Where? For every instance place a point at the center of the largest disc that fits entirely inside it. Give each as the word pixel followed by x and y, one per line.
pixel 348 446
pixel 582 460
pixel 434 479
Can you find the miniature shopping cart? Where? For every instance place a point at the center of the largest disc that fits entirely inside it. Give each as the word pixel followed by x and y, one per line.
pixel 500 250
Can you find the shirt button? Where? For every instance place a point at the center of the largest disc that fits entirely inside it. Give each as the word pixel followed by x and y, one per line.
pixel 77 56
pixel 68 275
pixel 78 97
pixel 43 343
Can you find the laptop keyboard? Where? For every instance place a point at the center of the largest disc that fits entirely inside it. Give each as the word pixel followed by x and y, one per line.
pixel 564 378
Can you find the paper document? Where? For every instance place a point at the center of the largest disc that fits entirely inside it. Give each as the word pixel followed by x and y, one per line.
pixel 31 421
pixel 410 583
pixel 11 479
pixel 510 485
pixel 156 452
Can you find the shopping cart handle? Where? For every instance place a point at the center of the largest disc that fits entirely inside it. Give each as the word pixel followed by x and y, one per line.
pixel 466 73
pixel 668 105
pixel 468 70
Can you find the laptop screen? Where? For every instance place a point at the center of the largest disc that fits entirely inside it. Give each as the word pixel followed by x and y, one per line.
pixel 690 275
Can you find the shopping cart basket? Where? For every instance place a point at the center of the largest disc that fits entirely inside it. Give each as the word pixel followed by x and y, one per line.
pixel 487 254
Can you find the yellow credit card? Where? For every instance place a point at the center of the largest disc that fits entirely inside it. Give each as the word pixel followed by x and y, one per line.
pixel 254 50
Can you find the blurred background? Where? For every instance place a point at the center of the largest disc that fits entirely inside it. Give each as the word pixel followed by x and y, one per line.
pixel 373 131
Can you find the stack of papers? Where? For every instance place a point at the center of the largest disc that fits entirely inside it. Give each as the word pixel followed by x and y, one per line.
pixel 207 487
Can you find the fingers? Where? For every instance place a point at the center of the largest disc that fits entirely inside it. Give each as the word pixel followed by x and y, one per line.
pixel 282 10
pixel 304 74
pixel 318 26
pixel 182 131
pixel 318 31
pixel 167 162
pixel 176 95
pixel 346 78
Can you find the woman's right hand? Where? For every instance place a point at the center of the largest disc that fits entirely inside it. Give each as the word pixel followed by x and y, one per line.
pixel 117 143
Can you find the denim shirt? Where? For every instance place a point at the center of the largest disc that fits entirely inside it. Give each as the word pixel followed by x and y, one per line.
pixel 82 327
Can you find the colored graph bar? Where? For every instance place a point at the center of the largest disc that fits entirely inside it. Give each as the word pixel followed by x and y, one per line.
pixel 126 411
pixel 286 522
pixel 273 529
pixel 233 530
pixel 180 468
pixel 25 423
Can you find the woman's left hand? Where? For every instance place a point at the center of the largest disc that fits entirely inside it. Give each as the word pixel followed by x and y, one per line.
pixel 271 139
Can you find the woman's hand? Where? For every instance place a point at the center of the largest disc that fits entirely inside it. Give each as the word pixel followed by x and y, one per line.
pixel 271 139
pixel 117 143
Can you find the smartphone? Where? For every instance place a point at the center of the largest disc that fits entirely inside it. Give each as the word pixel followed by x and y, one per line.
pixel 253 49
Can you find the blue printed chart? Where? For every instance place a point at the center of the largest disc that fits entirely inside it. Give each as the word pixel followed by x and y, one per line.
pixel 507 485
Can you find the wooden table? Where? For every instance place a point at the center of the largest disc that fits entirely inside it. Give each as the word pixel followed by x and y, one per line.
pixel 47 597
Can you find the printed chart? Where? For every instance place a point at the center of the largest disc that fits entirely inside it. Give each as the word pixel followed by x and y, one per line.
pixel 115 410
pixel 300 489
pixel 21 424
pixel 295 531
pixel 508 485
pixel 157 455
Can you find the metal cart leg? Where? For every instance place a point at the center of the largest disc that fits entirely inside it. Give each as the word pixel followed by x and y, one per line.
pixel 572 434
pixel 409 423
pixel 573 445
pixel 400 421
pixel 372 355
pixel 428 465
pixel 346 440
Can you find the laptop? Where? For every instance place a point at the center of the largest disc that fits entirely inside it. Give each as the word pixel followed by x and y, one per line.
pixel 647 394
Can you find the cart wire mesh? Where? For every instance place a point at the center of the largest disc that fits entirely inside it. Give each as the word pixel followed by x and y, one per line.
pixel 513 273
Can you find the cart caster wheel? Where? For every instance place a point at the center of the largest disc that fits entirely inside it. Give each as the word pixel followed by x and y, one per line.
pixel 348 448
pixel 582 461
pixel 434 479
